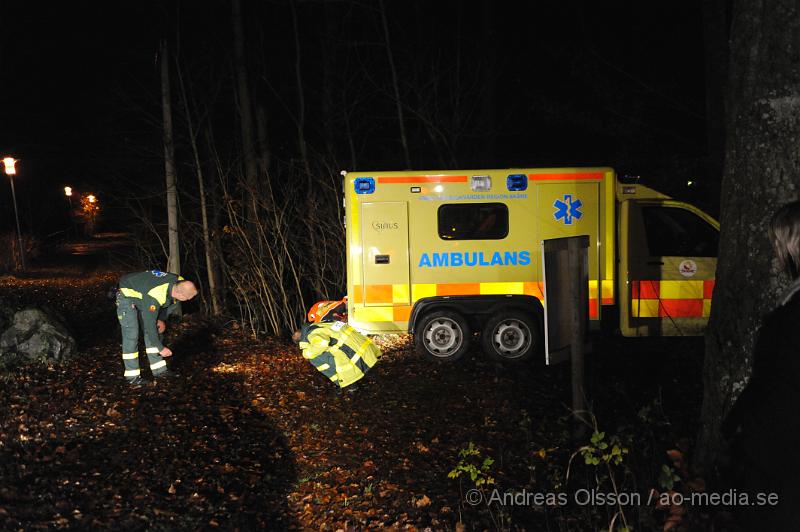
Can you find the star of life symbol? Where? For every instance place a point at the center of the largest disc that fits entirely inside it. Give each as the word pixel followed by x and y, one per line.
pixel 568 209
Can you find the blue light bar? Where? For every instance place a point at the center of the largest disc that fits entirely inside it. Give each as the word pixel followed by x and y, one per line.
pixel 516 182
pixel 364 185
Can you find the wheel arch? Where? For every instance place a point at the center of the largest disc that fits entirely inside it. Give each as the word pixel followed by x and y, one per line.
pixel 476 309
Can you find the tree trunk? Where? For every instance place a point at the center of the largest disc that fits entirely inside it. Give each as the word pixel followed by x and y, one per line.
pixel 213 288
pixel 174 260
pixel 762 172
pixel 395 86
pixel 301 101
pixel 328 53
pixel 264 154
pixel 245 112
pixel 489 100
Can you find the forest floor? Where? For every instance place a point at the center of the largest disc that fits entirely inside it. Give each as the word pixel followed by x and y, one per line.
pixel 251 436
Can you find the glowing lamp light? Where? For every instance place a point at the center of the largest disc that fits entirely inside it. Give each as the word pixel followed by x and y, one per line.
pixel 68 191
pixel 438 189
pixel 9 163
pixel 91 198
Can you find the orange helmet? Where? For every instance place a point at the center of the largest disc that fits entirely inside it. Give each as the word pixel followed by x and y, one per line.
pixel 323 311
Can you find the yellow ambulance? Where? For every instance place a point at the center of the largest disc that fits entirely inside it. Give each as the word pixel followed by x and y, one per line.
pixel 445 254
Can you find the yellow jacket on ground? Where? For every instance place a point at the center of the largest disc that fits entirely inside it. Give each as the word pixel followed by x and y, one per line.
pixel 338 351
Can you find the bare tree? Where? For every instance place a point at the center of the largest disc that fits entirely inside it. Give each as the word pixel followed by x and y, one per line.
pixel 245 108
pixel 301 100
pixel 395 85
pixel 208 248
pixel 174 259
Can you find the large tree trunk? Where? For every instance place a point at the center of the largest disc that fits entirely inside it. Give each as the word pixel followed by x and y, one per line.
pixel 762 172
pixel 174 260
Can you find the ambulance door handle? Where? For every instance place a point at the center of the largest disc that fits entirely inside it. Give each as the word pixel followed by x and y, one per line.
pixel 655 263
pixel 381 259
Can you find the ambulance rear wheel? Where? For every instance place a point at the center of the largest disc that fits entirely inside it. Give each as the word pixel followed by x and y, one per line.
pixel 510 337
pixel 443 336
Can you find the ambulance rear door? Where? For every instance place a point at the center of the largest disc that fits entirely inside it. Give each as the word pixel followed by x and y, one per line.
pixel 384 234
pixel 668 259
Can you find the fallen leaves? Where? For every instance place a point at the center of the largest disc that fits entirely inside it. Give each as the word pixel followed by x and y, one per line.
pixel 252 437
pixel 422 502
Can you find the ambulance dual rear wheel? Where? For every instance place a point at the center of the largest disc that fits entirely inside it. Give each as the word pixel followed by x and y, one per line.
pixel 443 336
pixel 510 337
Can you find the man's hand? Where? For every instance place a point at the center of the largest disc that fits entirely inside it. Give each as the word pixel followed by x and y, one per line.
pixel 166 352
pixel 161 326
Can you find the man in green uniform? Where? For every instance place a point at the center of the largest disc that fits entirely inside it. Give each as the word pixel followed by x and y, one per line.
pixel 336 349
pixel 151 296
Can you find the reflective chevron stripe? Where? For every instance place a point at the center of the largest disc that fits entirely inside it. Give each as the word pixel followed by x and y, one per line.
pixel 672 298
pixel 130 292
pixel 389 302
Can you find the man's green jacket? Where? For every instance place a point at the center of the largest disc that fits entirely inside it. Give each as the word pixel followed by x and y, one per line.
pixel 151 294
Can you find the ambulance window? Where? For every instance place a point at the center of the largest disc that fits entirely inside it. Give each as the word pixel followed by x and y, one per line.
pixel 473 221
pixel 676 232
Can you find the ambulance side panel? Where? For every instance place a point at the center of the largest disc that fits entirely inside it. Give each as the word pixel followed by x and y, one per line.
pixel 426 212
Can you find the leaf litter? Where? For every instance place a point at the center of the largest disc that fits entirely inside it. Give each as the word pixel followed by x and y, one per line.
pixel 250 435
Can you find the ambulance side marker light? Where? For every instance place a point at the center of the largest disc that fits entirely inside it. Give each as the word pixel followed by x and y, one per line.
pixel 364 185
pixel 517 182
pixel 416 190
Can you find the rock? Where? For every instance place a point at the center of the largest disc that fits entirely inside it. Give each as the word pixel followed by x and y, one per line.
pixel 35 335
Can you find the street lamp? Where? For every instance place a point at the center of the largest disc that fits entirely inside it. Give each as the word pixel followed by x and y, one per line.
pixel 68 194
pixel 11 171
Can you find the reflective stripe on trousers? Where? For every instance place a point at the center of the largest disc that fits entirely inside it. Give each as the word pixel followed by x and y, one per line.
pixel 128 318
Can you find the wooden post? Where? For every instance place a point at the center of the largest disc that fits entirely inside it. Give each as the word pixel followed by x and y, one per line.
pixel 578 328
pixel 565 265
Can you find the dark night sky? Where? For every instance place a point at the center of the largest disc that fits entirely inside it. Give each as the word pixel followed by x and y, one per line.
pixel 618 83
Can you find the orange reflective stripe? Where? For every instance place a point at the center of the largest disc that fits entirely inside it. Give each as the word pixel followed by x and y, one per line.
pixel 645 289
pixel 681 308
pixel 648 298
pixel 387 307
pixel 379 293
pixel 607 292
pixel 593 311
pixel 423 179
pixel 401 313
pixel 358 293
pixel 458 289
pixel 533 289
pixel 708 288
